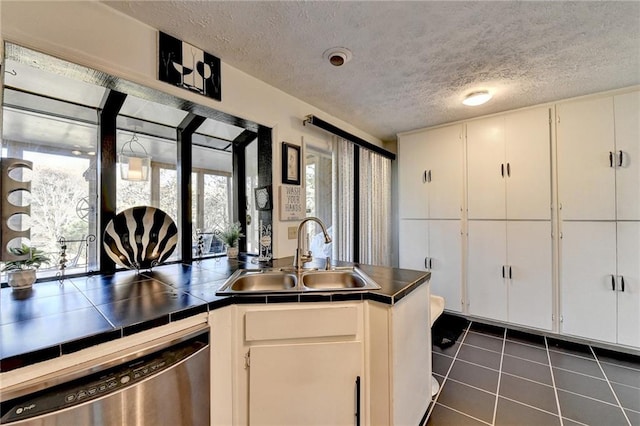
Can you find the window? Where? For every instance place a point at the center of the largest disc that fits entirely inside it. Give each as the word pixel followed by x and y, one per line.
pixel 319 193
pixel 52 120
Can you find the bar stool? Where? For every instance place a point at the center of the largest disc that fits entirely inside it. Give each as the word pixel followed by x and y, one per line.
pixel 437 308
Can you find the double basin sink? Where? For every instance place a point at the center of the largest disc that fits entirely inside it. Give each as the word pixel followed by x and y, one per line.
pixel 245 281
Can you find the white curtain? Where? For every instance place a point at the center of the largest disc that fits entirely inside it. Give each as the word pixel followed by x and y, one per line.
pixel 343 184
pixel 375 208
pixel 374 241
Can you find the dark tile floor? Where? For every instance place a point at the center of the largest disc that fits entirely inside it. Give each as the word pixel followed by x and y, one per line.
pixel 494 376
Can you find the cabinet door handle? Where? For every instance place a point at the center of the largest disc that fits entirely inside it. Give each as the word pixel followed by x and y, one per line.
pixel 620 158
pixel 426 263
pixel 610 159
pixel 429 179
pixel 424 177
pixel 508 169
pixel 622 283
pixel 510 275
pixel 431 263
pixel 502 169
pixel 357 414
pixel 503 276
pixel 613 282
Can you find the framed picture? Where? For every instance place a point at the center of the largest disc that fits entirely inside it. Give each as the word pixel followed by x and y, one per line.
pixel 290 164
pixel 263 198
pixel 186 66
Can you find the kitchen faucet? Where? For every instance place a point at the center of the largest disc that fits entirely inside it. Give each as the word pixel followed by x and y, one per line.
pixel 300 258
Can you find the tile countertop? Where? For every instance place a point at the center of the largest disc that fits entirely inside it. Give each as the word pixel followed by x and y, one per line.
pixel 85 311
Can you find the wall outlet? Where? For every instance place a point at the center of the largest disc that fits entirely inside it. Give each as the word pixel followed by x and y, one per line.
pixel 291 232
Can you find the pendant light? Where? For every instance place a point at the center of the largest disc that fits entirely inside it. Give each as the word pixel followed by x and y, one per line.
pixel 134 165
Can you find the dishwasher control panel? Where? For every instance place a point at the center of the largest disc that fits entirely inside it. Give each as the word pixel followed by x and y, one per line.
pixel 97 385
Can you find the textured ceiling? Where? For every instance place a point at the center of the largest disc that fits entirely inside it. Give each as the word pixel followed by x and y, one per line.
pixel 413 62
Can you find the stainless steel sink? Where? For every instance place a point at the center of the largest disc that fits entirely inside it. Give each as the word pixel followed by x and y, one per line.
pixel 338 280
pixel 285 281
pixel 265 281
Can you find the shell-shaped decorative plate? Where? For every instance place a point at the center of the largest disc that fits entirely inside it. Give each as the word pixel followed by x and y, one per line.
pixel 140 237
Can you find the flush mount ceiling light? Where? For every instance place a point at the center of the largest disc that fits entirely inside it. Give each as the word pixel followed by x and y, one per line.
pixel 134 166
pixel 477 98
pixel 337 56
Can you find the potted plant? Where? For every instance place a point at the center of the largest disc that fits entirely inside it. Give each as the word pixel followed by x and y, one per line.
pixel 22 273
pixel 230 237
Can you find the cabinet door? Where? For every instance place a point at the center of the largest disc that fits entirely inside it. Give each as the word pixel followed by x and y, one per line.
pixel 310 384
pixel 528 157
pixel 629 271
pixel 487 257
pixel 444 167
pixel 627 118
pixel 445 250
pixel 588 264
pixel 414 244
pixel 530 273
pixel 412 169
pixel 486 168
pixel 586 178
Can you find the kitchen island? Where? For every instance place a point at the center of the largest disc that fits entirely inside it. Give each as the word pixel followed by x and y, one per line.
pixel 77 319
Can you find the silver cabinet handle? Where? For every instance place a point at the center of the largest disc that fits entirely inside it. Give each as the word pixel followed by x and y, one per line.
pixel 620 158
pixel 610 159
pixel 424 177
pixel 508 169
pixel 429 179
pixel 622 283
pixel 613 282
pixel 426 263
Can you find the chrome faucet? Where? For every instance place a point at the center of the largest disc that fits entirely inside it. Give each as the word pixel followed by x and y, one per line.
pixel 300 258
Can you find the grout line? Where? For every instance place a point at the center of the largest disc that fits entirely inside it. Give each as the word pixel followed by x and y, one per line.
pixel 574 421
pixel 464 414
pixel 478 365
pixel 528 380
pixel 495 407
pixel 572 354
pixel 610 387
pixel 471 386
pixel 527 405
pixel 526 359
pixel 579 373
pixel 480 347
pixel 618 365
pixel 553 382
pixel 455 356
pixel 590 397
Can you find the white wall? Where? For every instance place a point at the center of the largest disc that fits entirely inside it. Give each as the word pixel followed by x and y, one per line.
pixel 94 35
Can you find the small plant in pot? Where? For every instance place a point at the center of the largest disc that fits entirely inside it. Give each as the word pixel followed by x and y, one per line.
pixel 230 237
pixel 22 273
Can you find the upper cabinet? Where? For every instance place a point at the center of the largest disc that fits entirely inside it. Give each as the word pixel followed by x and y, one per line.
pixel 509 166
pixel 598 151
pixel 430 175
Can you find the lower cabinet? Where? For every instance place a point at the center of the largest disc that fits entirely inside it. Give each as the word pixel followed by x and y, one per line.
pixel 435 245
pixel 317 382
pixel 510 272
pixel 600 298
pixel 322 363
pixel 303 364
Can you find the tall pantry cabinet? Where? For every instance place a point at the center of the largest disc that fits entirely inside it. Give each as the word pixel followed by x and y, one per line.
pixel 598 143
pixel 510 258
pixel 430 203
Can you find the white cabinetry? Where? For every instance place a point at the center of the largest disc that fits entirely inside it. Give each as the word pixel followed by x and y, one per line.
pixel 430 203
pixel 509 166
pixel 599 196
pixel 435 246
pixel 601 297
pixel 399 348
pixel 510 274
pixel 303 364
pixel 430 175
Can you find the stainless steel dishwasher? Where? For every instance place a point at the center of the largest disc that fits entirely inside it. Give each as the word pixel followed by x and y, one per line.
pixel 163 383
